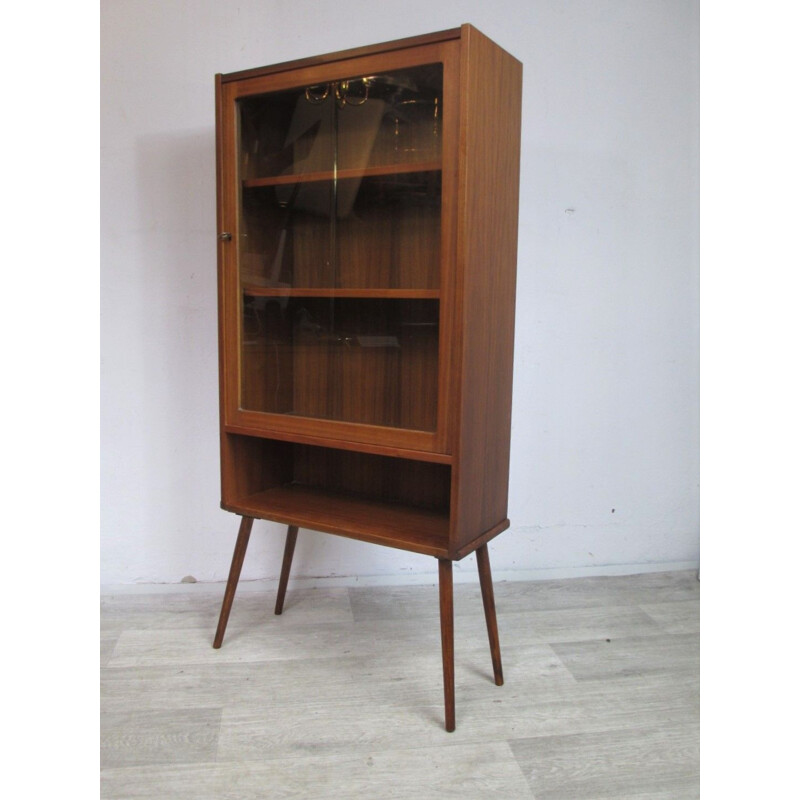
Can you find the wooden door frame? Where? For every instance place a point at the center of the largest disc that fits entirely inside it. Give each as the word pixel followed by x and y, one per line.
pixel 232 417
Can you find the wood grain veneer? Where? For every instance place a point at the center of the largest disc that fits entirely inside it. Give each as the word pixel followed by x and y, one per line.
pixel 386 294
pixel 366 297
pixel 403 527
pixel 488 201
pixel 344 174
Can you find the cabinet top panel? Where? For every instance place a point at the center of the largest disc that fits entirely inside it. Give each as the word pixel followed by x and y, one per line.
pixel 397 44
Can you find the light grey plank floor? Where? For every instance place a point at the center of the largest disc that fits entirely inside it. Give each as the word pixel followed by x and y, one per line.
pixel 341 696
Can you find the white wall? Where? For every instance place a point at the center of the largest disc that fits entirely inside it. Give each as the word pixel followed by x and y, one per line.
pixel 604 461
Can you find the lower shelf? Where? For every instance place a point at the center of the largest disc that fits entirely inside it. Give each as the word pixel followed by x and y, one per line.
pixel 393 525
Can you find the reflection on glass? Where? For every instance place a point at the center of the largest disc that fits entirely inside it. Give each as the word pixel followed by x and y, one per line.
pixel 368 361
pixel 353 123
pixel 339 248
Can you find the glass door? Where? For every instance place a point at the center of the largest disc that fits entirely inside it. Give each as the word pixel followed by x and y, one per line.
pixel 339 221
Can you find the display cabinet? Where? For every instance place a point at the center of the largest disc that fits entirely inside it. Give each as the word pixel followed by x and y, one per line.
pixel 367 213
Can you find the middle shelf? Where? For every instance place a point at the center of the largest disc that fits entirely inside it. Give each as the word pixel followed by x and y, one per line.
pixel 354 238
pixel 250 290
pixel 378 170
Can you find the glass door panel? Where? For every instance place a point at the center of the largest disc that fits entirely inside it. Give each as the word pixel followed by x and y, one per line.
pixel 285 224
pixel 339 249
pixel 368 361
pixel 388 236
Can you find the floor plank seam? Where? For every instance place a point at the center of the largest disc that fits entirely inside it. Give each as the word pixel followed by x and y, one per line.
pixel 595 669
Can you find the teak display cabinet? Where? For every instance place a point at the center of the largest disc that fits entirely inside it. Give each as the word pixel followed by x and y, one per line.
pixel 367 213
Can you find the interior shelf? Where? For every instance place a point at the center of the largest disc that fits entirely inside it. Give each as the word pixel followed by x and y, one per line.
pixel 388 500
pixel 393 525
pixel 390 294
pixel 344 174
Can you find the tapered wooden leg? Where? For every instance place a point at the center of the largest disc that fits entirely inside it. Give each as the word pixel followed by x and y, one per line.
pixel 485 573
pixel 446 614
pixel 233 578
pixel 288 553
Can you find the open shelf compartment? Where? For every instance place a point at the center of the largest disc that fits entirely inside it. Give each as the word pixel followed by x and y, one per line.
pixel 395 502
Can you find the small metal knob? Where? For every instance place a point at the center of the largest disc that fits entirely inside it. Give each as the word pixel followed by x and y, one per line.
pixel 225 237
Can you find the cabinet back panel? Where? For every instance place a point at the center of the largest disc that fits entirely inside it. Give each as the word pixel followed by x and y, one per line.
pixel 392 480
pixel 373 362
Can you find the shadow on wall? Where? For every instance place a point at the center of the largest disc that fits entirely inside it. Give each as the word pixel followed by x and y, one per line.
pixel 175 287
pixel 176 291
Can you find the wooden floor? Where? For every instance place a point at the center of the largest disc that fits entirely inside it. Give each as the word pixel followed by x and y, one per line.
pixel 341 696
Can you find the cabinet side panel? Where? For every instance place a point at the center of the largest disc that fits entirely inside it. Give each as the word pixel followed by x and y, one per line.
pixel 487 256
pixel 252 465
